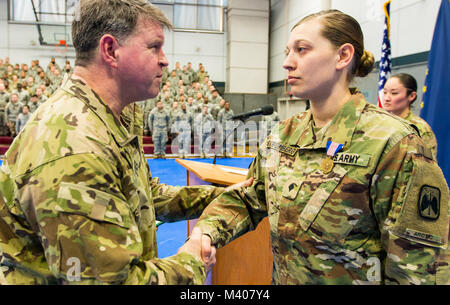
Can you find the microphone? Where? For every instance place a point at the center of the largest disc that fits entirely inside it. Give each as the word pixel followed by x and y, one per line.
pixel 264 110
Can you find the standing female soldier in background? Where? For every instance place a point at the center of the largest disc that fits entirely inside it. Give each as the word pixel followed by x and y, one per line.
pixel 351 194
pixel 399 93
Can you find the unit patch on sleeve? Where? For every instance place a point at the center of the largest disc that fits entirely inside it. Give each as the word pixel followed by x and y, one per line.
pixel 429 202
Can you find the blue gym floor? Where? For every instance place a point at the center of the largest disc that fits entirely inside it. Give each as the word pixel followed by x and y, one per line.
pixel 171 236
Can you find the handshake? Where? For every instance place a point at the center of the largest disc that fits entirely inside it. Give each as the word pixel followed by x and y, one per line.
pixel 199 244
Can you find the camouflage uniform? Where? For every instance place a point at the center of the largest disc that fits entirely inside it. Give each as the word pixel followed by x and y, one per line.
pixel 159 124
pixel 24 96
pixel 12 111
pixel 77 191
pixel 425 132
pixel 358 224
pixel 183 127
pixel 4 100
pixel 224 119
pixel 33 106
pixel 203 125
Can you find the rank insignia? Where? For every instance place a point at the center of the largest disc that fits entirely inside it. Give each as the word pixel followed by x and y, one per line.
pixel 429 202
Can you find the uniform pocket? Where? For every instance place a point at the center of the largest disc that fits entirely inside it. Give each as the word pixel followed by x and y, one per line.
pixel 320 196
pixel 94 204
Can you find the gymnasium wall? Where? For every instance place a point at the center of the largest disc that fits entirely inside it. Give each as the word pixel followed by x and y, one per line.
pixel 412 26
pixel 21 43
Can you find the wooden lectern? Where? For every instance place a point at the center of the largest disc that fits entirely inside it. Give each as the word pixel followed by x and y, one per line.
pixel 244 261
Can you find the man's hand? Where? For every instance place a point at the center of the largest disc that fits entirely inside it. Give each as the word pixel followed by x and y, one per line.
pixel 200 246
pixel 245 183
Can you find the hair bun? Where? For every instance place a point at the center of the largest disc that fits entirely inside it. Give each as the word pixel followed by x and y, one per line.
pixel 366 64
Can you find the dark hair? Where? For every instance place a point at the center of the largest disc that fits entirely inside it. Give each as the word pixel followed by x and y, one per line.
pixel 409 82
pixel 340 28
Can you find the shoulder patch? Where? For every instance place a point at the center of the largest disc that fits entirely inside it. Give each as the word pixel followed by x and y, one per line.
pixel 429 202
pixel 424 214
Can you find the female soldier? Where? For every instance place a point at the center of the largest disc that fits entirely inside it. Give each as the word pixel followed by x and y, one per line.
pixel 399 93
pixel 351 194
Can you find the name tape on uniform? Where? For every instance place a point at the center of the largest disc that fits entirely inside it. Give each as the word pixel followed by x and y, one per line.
pixel 289 150
pixel 352 159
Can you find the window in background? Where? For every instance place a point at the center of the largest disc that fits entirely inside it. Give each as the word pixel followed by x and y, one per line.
pixel 201 15
pixel 46 11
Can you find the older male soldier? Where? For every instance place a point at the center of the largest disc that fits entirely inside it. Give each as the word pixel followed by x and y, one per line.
pixel 78 203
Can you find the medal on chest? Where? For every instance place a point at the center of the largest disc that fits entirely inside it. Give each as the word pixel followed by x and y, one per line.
pixel 327 164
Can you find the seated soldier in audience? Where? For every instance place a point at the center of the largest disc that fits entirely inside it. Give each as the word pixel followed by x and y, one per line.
pixel 41 77
pixel 165 74
pixel 206 84
pixel 180 85
pixel 9 71
pixel 178 70
pixel 22 76
pixel 6 83
pixel 31 85
pixel 202 75
pixel 24 96
pixel 173 78
pixel 14 82
pixel 67 67
pixel 52 64
pixel 5 97
pixel 161 94
pixel 4 100
pixel 16 68
pixel 190 105
pixel 215 97
pixel 181 92
pixel 13 108
pixel 182 100
pixel 170 88
pixel 185 76
pixel 191 71
pixel 167 100
pixel 215 109
pixel 195 87
pixel 206 103
pixel 22 118
pixel 34 103
pixel 41 97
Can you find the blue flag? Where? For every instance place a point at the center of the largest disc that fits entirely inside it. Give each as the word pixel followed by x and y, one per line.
pixel 385 62
pixel 436 97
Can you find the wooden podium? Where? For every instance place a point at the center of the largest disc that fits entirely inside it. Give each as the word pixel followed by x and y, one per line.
pixel 244 261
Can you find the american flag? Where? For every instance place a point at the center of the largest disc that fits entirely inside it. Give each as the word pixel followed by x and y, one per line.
pixel 385 62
